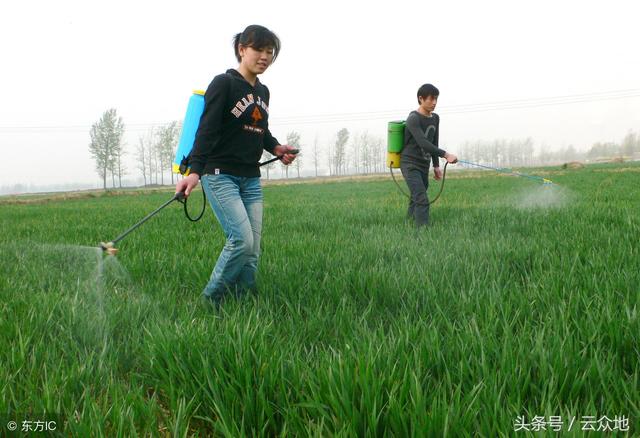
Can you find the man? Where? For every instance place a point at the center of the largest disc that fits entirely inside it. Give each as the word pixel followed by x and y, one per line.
pixel 420 148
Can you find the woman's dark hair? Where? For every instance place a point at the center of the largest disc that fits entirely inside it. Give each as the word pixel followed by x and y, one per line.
pixel 257 37
pixel 427 90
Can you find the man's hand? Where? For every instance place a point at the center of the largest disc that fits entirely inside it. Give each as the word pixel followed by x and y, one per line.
pixel 284 152
pixel 451 159
pixel 187 184
pixel 437 173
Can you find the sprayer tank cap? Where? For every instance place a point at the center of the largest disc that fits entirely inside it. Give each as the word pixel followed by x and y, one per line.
pixel 200 92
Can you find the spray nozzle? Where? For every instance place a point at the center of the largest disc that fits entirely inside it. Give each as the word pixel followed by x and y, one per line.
pixel 108 248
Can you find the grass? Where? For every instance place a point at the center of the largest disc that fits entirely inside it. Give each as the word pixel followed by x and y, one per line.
pixel 519 300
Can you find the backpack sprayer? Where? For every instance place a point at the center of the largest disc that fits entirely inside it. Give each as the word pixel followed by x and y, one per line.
pixel 180 165
pixel 395 143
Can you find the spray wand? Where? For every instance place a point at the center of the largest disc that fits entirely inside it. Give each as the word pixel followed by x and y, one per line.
pixel 109 247
pixel 290 151
pixel 544 181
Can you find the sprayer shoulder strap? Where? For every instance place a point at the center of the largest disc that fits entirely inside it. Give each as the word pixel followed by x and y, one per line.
pixel 224 102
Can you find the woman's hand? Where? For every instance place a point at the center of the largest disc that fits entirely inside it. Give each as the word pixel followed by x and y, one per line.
pixel 284 152
pixel 187 184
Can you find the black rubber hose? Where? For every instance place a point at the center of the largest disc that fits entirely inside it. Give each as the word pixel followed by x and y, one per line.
pixel 444 175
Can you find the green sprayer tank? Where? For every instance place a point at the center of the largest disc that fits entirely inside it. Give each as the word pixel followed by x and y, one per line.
pixel 395 142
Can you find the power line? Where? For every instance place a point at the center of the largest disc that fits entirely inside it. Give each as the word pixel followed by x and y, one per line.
pixel 479 106
pixel 506 105
pixel 467 108
pixel 81 128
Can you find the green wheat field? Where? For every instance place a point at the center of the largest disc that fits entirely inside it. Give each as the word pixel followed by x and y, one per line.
pixel 514 314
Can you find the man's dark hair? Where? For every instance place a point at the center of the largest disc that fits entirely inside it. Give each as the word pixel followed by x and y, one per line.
pixel 427 90
pixel 257 37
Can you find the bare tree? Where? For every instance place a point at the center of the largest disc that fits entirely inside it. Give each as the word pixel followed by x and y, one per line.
pixel 378 154
pixel 149 150
pixel 465 151
pixel 630 144
pixel 330 158
pixel 603 150
pixel 527 151
pixel 298 163
pixel 293 140
pixel 356 146
pixel 100 152
pixel 118 167
pixel 141 159
pixel 339 151
pixel 154 155
pixel 143 156
pixel 315 154
pixel 473 151
pixel 366 156
pixel 159 155
pixel 167 141
pixel 106 144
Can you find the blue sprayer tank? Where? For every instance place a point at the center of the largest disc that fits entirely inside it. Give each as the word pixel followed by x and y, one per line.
pixel 188 136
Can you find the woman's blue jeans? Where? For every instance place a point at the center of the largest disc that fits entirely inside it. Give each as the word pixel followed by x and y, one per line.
pixel 237 203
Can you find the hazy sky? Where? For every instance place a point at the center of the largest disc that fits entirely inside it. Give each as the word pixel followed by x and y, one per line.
pixel 559 65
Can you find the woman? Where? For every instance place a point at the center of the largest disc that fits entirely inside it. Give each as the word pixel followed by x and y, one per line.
pixel 231 137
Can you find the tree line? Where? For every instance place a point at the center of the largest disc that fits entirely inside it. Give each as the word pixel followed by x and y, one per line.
pixel 346 153
pixel 364 154
pixel 522 152
pixel 629 147
pixel 154 152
